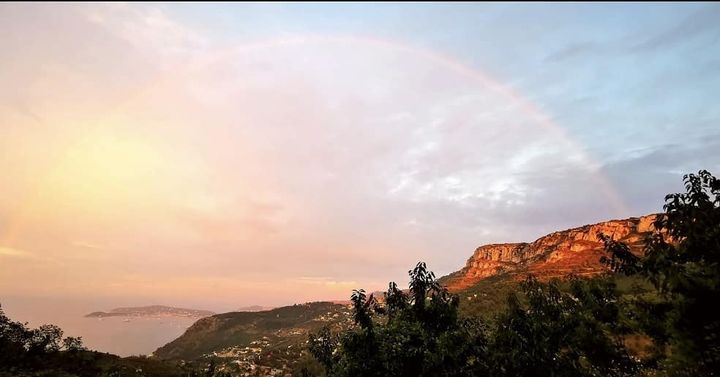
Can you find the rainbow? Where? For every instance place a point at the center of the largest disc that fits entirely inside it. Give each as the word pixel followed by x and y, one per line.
pixel 474 75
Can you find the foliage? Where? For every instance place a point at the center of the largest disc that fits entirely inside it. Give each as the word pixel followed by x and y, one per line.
pixel 22 348
pixel 418 333
pixel 576 327
pixel 556 333
pixel 662 300
pixel 682 261
pixel 220 331
pixel 43 351
pixel 544 330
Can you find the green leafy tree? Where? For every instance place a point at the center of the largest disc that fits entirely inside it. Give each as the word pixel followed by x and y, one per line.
pixel 418 333
pixel 682 260
pixel 549 332
pixel 545 331
pixel 577 327
pixel 323 346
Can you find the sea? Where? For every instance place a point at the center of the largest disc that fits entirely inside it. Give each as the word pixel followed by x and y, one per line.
pixel 116 335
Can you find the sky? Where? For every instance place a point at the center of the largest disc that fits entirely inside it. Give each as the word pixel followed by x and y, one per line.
pixel 224 155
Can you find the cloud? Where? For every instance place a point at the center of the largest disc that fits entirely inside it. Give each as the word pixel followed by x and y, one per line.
pixel 698 23
pixel 345 286
pixel 324 156
pixel 15 253
pixel 648 174
pixel 572 51
pixel 147 28
pixel 176 161
pixel 15 257
pixel 89 245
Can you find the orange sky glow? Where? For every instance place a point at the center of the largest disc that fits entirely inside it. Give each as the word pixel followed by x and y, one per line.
pixel 144 160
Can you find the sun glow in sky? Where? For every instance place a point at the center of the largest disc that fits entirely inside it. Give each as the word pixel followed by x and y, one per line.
pixel 245 154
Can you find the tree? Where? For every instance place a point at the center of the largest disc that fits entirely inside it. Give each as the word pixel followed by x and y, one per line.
pixel 548 332
pixel 322 346
pixel 576 327
pixel 23 349
pixel 682 260
pixel 46 338
pixel 73 343
pixel 413 334
pixel 543 331
pixel 363 308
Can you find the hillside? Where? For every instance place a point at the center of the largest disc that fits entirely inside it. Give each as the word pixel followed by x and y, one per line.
pixel 152 311
pixel 573 251
pixel 265 339
pixel 274 340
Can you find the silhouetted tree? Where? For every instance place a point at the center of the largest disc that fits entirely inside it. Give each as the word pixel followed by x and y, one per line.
pixel 363 308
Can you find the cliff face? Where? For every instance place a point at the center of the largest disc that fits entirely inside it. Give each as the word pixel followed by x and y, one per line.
pixel 575 251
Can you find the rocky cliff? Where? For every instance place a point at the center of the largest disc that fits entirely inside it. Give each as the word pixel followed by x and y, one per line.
pixel 575 251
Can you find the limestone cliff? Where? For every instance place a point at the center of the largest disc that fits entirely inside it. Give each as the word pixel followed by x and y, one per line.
pixel 575 251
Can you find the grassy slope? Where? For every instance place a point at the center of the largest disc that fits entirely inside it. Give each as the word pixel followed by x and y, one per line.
pixel 279 327
pixel 489 296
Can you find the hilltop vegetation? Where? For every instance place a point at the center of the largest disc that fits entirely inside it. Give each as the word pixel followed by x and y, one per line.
pixel 245 342
pixel 556 328
pixel 481 289
pixel 43 351
pixel 661 325
pixel 650 313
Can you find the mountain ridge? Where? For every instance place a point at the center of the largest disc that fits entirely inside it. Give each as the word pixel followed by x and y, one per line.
pixel 274 340
pixel 574 251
